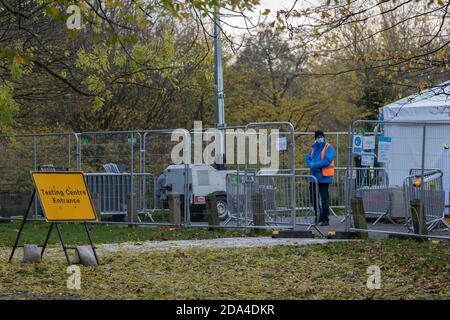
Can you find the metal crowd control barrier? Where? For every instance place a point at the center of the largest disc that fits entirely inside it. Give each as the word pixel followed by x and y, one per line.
pixel 113 189
pixel 236 197
pixel 245 191
pixel 430 192
pixel 372 185
pixel 336 189
pixel 272 191
pixel 275 194
pixel 307 202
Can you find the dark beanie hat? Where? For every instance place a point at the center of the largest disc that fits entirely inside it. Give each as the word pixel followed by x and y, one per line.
pixel 318 133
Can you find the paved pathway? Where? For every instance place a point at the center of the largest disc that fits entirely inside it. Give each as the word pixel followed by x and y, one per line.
pixel 249 242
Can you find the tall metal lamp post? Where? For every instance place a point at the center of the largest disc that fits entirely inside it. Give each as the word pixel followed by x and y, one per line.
pixel 220 96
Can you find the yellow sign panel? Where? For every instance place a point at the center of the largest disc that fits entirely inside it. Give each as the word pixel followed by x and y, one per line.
pixel 64 196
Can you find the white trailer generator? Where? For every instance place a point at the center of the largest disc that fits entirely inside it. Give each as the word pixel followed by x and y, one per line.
pixel 202 180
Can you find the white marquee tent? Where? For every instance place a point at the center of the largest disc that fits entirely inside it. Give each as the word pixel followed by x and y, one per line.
pixel 432 107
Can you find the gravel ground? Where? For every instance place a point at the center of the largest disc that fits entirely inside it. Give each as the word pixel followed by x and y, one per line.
pixel 210 243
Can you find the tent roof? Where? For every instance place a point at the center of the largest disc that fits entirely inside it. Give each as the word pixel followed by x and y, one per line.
pixel 430 104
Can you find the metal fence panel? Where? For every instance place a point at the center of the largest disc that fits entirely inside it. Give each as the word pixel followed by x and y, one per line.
pixel 275 194
pixel 100 149
pixel 372 185
pixel 157 146
pixel 272 194
pixel 414 147
pixel 432 195
pixel 336 189
pixel 113 189
pixel 25 152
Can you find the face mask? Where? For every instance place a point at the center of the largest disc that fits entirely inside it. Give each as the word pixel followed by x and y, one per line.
pixel 320 140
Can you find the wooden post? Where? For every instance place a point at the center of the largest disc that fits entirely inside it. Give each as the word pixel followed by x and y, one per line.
pixel 359 216
pixel 417 217
pixel 97 204
pixel 211 210
pixel 11 204
pixel 5 216
pixel 175 208
pixel 258 210
pixel 132 208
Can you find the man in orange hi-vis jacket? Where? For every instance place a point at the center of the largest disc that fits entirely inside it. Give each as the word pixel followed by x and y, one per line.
pixel 320 161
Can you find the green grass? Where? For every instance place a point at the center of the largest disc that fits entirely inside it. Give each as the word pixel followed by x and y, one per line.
pixel 409 270
pixel 35 232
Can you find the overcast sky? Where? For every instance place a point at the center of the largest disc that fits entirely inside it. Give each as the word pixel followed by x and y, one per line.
pixel 273 5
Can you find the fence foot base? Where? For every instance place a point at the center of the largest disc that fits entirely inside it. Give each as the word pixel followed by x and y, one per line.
pixel 342 235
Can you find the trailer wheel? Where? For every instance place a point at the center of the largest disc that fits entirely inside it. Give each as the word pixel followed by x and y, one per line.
pixel 222 207
pixel 197 212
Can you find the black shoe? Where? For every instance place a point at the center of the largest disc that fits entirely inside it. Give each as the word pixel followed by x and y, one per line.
pixel 323 223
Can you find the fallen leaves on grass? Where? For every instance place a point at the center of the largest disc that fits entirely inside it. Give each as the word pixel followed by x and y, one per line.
pixel 332 271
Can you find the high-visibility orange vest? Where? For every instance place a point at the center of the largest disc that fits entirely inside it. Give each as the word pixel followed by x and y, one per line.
pixel 328 171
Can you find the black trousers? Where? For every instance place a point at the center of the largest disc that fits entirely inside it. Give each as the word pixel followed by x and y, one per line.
pixel 325 200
